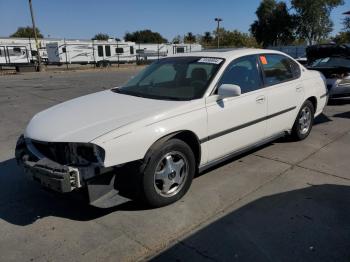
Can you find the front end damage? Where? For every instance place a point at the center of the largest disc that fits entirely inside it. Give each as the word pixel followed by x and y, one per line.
pixel 68 167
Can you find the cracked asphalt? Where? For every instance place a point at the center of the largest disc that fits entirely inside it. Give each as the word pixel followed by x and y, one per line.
pixel 285 201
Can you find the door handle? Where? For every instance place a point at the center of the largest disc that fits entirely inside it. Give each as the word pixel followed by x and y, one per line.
pixel 299 88
pixel 260 99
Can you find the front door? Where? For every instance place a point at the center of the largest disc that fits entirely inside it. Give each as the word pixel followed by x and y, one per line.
pixel 237 122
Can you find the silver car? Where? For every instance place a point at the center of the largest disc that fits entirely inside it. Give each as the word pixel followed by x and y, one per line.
pixel 334 62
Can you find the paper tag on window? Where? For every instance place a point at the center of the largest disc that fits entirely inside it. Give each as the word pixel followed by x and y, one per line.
pixel 208 60
pixel 263 60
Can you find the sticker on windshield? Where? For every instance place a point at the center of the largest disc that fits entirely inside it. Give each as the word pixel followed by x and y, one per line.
pixel 263 60
pixel 208 60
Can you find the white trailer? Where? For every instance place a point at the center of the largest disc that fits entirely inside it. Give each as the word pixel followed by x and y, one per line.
pixel 155 51
pixel 14 55
pixel 114 52
pixel 101 53
pixel 30 45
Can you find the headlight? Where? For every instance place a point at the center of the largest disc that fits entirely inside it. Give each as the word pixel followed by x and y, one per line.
pixel 344 82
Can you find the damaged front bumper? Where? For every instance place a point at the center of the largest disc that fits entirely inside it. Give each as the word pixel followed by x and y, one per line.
pixel 101 183
pixel 48 173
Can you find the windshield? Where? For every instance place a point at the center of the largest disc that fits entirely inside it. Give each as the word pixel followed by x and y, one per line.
pixel 176 78
pixel 332 62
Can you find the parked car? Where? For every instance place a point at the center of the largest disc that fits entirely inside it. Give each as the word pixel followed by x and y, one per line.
pixel 179 116
pixel 334 62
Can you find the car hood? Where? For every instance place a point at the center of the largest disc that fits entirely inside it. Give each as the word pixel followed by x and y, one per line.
pixel 85 118
pixel 328 50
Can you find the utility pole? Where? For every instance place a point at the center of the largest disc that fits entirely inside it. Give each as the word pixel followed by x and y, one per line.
pixel 35 36
pixel 218 20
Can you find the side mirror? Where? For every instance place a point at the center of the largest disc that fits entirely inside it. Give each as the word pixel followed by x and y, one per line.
pixel 228 90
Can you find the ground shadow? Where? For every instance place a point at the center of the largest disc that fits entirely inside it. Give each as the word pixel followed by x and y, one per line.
pixel 339 101
pixel 343 115
pixel 321 119
pixel 23 201
pixel 310 224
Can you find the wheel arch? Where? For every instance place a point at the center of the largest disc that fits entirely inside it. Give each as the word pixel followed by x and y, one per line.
pixel 187 136
pixel 313 100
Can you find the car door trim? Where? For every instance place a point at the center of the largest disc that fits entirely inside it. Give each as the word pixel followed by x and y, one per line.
pixel 236 128
pixel 240 151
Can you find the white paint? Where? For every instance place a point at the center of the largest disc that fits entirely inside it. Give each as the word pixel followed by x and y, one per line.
pixel 127 126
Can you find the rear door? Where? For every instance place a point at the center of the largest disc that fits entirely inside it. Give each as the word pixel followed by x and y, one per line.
pixel 237 122
pixel 284 91
pixel 100 52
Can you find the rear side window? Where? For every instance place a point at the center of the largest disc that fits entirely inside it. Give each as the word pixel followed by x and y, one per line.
pixel 100 50
pixel 108 50
pixel 295 68
pixel 206 68
pixel 119 50
pixel 180 50
pixel 276 68
pixel 244 73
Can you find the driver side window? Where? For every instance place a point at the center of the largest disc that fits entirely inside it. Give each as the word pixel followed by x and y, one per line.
pixel 244 73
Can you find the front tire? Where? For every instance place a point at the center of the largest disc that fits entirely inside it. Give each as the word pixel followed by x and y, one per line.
pixel 304 121
pixel 168 173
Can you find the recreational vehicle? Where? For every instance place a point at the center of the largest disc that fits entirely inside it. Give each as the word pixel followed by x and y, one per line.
pixel 155 51
pixel 28 44
pixel 101 53
pixel 14 55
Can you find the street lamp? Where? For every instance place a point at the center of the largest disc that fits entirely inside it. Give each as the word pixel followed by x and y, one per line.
pixel 35 36
pixel 218 20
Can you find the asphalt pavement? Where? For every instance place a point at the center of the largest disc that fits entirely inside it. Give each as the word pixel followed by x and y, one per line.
pixel 286 201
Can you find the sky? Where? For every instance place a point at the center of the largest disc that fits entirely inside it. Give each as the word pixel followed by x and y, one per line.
pixel 82 19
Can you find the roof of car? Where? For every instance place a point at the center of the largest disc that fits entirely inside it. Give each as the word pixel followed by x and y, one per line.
pixel 228 53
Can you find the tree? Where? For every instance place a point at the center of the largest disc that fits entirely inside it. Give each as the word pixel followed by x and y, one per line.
pixel 344 36
pixel 26 32
pixel 207 38
pixel 145 36
pixel 346 24
pixel 101 36
pixel 235 38
pixel 274 26
pixel 189 38
pixel 176 39
pixel 228 38
pixel 313 16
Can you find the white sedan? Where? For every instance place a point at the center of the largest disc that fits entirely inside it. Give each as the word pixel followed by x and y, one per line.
pixel 179 116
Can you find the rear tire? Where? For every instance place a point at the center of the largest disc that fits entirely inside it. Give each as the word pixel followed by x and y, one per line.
pixel 304 121
pixel 168 173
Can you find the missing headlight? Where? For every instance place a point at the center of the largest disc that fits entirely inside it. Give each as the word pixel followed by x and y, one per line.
pixel 89 153
pixel 76 154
